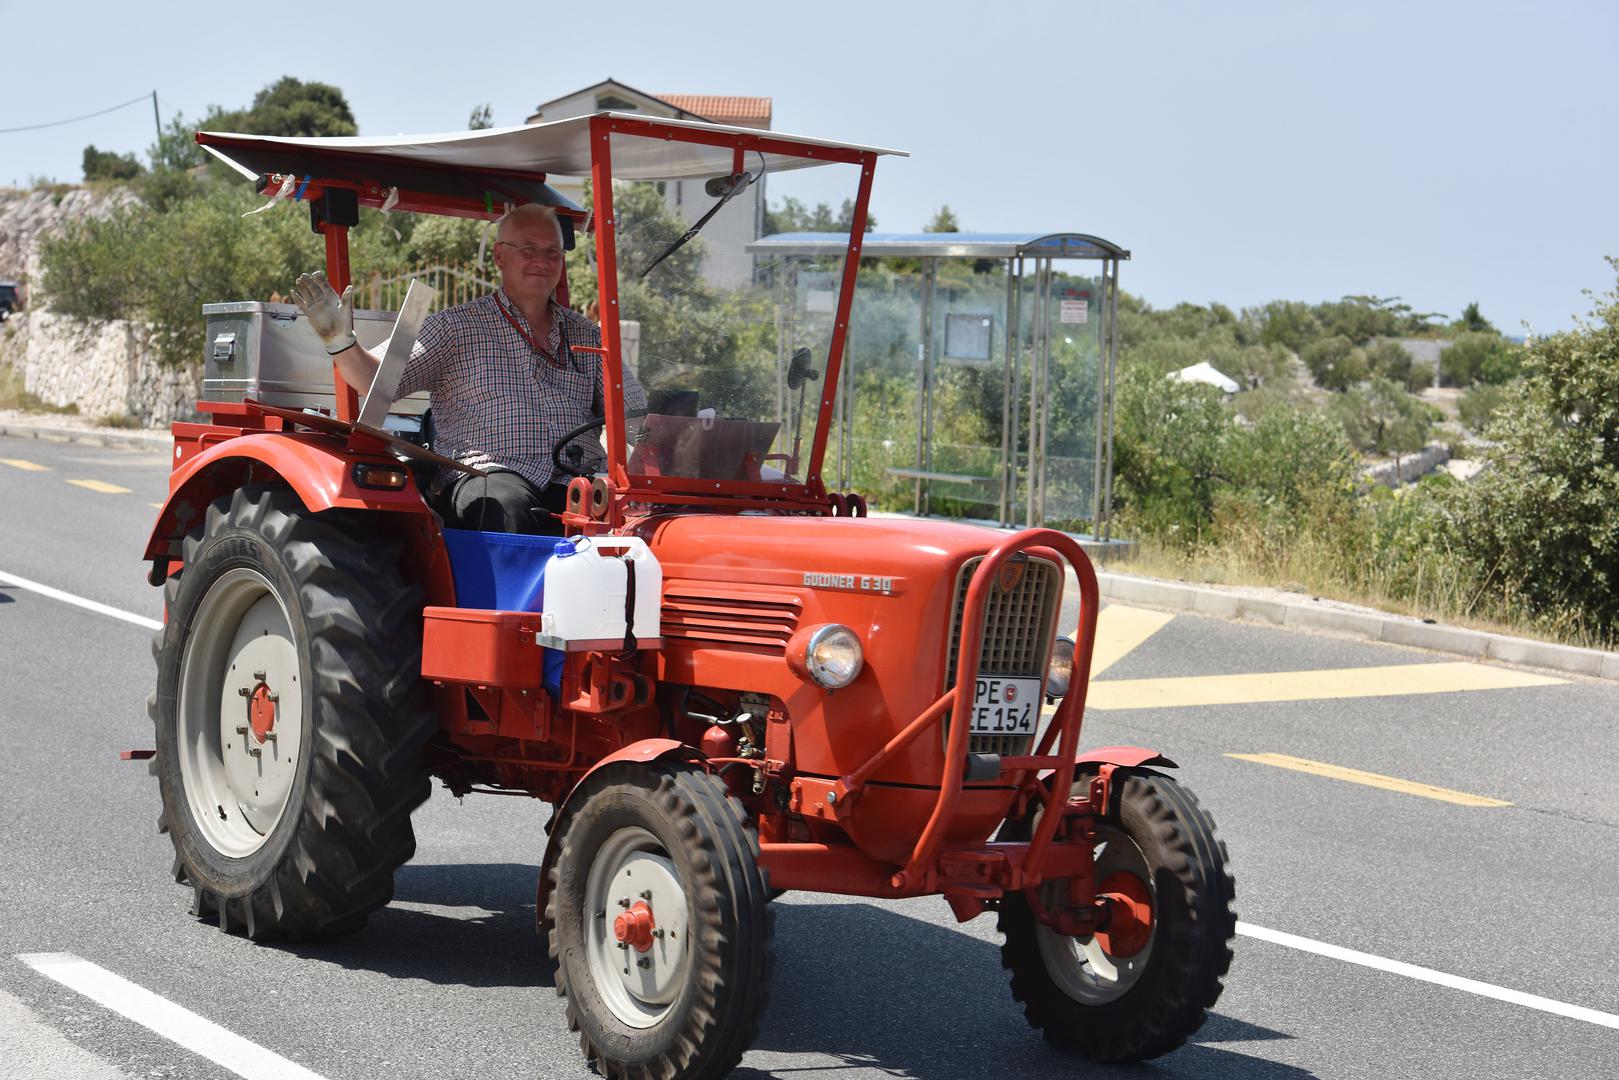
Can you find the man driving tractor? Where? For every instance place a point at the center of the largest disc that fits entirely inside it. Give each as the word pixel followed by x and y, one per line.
pixel 507 375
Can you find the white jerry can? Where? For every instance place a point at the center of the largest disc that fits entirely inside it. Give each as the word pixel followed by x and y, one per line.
pixel 587 587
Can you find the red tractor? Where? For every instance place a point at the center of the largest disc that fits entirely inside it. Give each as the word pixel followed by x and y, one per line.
pixel 803 697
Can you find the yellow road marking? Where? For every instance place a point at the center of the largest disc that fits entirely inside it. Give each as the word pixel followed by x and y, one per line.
pixel 1389 681
pixel 155 506
pixel 25 466
pixel 102 486
pixel 1370 779
pixel 1119 630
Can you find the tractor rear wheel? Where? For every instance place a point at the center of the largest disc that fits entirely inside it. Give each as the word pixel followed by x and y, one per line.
pixel 290 716
pixel 660 923
pixel 1142 986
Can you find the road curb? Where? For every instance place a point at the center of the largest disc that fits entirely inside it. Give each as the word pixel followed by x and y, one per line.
pixel 132 440
pixel 1372 626
pixel 1173 596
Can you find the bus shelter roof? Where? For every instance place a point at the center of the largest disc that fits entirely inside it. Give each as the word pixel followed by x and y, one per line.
pixel 945 245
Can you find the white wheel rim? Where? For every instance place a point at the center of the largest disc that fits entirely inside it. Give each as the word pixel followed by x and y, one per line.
pixel 239 670
pixel 639 987
pixel 1080 967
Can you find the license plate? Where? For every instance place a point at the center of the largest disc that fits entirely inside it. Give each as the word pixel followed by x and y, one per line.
pixel 1005 706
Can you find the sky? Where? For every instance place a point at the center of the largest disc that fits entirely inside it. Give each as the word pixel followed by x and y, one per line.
pixel 1243 151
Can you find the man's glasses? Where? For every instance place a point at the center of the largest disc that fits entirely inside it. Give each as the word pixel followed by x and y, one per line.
pixel 533 253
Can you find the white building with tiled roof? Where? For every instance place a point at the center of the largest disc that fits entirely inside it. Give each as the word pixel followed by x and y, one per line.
pixel 726 263
pixel 753 112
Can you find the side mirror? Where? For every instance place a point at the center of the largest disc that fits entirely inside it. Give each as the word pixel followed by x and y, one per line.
pixel 799 371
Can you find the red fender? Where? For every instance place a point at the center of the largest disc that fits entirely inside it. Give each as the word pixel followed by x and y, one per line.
pixel 1121 757
pixel 643 752
pixel 1124 756
pixel 318 468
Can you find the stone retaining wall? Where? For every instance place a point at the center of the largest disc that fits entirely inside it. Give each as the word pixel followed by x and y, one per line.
pixel 1409 466
pixel 103 368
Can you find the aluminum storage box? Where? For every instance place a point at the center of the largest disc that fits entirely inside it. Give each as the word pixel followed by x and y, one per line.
pixel 268 352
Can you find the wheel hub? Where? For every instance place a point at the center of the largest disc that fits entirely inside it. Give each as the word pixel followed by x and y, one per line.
pixel 635 927
pixel 1102 967
pixel 261 709
pixel 1129 922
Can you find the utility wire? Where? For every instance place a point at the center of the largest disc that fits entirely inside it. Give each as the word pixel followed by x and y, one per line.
pixel 76 119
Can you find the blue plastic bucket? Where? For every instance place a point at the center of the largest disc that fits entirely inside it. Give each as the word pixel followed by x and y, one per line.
pixel 503 572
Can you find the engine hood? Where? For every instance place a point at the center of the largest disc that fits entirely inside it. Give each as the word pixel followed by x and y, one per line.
pixel 815 553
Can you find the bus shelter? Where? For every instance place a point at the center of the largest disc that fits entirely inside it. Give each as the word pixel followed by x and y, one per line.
pixel 979 369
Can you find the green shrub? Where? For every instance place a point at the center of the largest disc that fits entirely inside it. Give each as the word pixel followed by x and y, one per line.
pixel 1541 525
pixel 1389 360
pixel 160 265
pixel 1479 405
pixel 1380 417
pixel 1466 359
pixel 1502 365
pixel 1167 451
pixel 1188 473
pixel 107 165
pixel 1420 377
pixel 1335 362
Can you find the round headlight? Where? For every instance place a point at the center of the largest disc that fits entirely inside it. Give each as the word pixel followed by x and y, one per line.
pixel 1061 671
pixel 833 656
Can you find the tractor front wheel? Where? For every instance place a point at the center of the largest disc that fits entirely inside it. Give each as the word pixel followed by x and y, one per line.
pixel 660 923
pixel 1143 985
pixel 290 716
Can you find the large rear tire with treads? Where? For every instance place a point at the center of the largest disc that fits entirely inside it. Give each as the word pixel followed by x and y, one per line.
pixel 290 716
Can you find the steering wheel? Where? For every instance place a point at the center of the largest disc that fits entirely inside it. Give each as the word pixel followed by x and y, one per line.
pixel 572 468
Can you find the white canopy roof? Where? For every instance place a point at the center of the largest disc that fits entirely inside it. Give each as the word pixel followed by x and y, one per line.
pixel 559 148
pixel 1208 374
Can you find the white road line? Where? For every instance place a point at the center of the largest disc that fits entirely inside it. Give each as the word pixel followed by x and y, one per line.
pixel 78 601
pixel 182 1026
pixel 1429 975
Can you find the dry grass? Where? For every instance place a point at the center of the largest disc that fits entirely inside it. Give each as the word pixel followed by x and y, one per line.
pixel 1310 572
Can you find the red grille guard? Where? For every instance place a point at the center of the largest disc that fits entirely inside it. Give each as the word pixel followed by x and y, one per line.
pixel 969 875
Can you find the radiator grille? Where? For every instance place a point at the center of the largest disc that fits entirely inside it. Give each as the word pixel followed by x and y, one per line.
pixel 759 621
pixel 1018 629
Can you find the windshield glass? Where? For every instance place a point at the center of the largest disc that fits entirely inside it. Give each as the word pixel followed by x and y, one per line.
pixel 730 347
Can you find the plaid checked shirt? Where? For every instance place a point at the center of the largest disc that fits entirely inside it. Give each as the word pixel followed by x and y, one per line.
pixel 496 401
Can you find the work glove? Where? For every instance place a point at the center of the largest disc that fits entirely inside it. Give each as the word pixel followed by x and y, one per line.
pixel 331 316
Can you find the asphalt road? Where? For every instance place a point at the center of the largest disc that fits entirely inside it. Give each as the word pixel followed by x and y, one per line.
pixel 451 980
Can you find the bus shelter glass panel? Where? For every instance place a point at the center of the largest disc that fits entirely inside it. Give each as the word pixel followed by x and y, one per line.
pixel 875 449
pixel 1073 321
pixel 966 379
pixel 732 374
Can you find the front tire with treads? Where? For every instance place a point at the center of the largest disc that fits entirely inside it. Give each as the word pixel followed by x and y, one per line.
pixel 1140 990
pixel 290 716
pixel 680 994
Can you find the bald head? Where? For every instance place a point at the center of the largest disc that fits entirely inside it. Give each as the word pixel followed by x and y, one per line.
pixel 524 219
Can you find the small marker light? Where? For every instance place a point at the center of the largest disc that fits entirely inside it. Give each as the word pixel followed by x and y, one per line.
pixel 384 477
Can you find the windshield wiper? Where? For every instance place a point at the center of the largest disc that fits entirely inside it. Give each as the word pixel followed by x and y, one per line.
pixel 726 187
